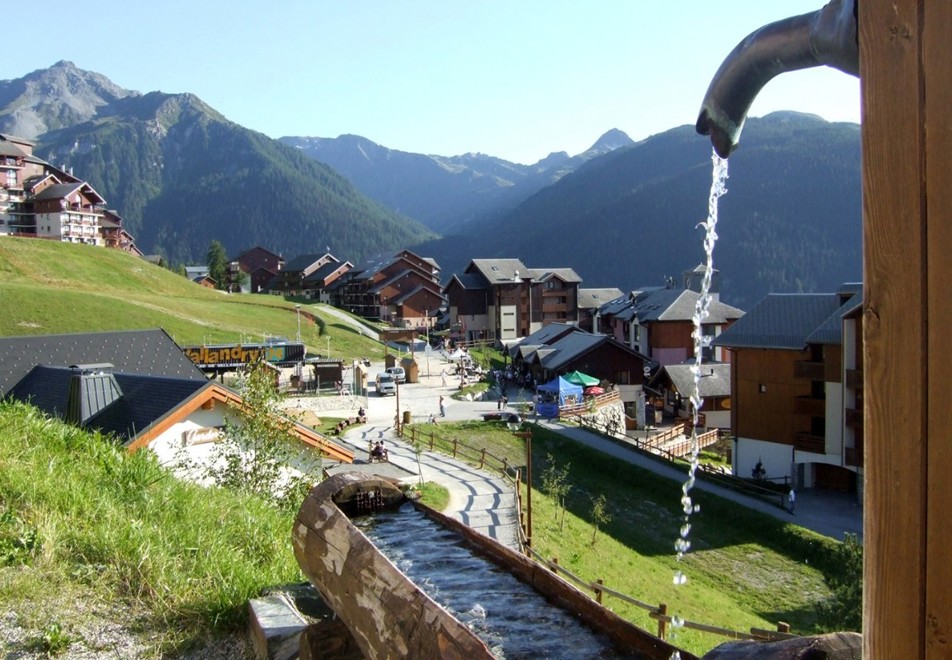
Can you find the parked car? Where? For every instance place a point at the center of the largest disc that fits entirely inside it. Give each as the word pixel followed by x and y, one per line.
pixel 398 373
pixel 385 384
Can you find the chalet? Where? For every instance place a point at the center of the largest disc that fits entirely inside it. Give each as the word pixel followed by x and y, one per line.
pixel 796 388
pixel 659 322
pixel 676 384
pixel 560 348
pixel 590 301
pixel 114 235
pixel 259 265
pixel 174 408
pixel 309 276
pixel 502 299
pixel 401 288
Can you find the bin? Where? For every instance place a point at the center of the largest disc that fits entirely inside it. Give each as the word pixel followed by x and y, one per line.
pixel 406 416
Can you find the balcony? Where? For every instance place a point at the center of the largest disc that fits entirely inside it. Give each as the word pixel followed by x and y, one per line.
pixel 809 442
pixel 854 378
pixel 808 370
pixel 854 418
pixel 854 456
pixel 804 405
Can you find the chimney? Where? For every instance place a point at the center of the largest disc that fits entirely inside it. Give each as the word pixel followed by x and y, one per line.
pixel 92 389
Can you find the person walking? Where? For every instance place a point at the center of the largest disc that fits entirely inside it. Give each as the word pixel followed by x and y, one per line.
pixel 442 407
pixel 792 500
pixel 443 376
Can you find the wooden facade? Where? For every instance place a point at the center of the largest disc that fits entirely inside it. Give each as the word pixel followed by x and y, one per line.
pixel 907 156
pixel 765 392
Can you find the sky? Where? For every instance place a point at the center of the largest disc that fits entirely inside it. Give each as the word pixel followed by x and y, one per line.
pixel 515 79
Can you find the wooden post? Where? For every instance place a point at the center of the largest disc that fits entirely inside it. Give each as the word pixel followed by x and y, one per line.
pixel 907 317
pixel 455 444
pixel 555 569
pixel 598 591
pixel 482 458
pixel 662 624
pixel 783 627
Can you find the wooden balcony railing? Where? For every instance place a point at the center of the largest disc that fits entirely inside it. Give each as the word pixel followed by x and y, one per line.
pixel 854 378
pixel 854 456
pixel 854 418
pixel 808 370
pixel 810 442
pixel 805 405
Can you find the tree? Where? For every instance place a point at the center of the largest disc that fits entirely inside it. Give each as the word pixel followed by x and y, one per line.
pixel 600 515
pixel 217 262
pixel 258 452
pixel 555 484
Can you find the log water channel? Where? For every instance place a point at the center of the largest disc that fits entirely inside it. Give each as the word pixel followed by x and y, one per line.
pixel 510 617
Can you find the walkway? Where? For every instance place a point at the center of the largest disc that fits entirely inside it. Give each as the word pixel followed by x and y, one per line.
pixel 487 502
pixel 830 514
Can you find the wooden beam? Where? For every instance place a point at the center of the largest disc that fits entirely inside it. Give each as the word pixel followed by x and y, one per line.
pixel 895 328
pixel 937 79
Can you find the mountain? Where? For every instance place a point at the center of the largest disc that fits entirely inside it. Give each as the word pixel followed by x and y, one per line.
pixel 790 222
pixel 181 175
pixel 444 192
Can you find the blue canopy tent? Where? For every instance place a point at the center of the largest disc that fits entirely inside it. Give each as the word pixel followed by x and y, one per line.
pixel 566 393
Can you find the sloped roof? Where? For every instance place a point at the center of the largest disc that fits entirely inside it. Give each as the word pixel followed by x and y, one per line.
pixel 10 149
pixel 547 334
pixel 58 191
pixel 781 321
pixel 830 332
pixel 570 348
pixel 471 281
pixel 302 262
pixel 129 351
pixel 679 305
pixel 715 379
pixel 564 274
pixel 595 298
pixel 500 270
pixel 321 273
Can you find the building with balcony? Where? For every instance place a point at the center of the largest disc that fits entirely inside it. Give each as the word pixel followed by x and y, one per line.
pixel 502 299
pixel 400 288
pixel 43 201
pixel 659 321
pixel 796 388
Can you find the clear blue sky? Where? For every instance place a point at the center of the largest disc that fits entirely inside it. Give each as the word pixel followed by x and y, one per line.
pixel 516 79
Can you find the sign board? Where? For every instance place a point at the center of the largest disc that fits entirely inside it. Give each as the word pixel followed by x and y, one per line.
pixel 239 355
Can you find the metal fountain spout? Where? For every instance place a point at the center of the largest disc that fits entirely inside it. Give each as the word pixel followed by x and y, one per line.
pixel 825 37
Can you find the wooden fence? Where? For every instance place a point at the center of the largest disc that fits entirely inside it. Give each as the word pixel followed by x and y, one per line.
pixel 660 612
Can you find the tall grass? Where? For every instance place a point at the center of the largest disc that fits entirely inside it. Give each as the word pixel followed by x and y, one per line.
pixel 118 529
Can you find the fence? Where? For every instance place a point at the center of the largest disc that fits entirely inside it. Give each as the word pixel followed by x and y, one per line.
pixel 484 459
pixel 660 612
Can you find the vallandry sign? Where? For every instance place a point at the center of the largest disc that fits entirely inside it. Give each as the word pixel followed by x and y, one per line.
pixel 237 355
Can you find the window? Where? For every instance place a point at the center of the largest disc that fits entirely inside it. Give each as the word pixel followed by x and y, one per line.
pixel 11 178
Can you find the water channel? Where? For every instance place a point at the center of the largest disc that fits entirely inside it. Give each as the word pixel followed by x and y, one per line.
pixel 510 617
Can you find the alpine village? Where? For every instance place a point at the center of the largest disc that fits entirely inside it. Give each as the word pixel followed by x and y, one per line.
pixel 313 397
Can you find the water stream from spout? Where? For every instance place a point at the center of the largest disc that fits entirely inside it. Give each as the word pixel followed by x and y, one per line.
pixel 701 312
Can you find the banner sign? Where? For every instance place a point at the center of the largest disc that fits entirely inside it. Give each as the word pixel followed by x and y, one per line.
pixel 238 355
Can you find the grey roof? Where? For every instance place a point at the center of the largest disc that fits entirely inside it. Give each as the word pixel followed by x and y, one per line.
pixel 595 298
pixel 327 269
pixel 10 149
pixel 473 281
pixel 129 351
pixel 564 274
pixel 781 320
pixel 137 402
pixel 679 305
pixel 831 330
pixel 302 262
pixel 715 379
pixel 500 270
pixel 58 190
pixel 547 334
pixel 569 348
pixel 614 306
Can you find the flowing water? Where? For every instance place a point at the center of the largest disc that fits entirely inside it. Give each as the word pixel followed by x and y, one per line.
pixel 718 188
pixel 509 616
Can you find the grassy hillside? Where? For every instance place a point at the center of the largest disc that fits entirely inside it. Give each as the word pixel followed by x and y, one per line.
pixel 48 287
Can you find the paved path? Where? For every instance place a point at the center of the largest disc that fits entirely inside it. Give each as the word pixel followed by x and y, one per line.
pixel 487 502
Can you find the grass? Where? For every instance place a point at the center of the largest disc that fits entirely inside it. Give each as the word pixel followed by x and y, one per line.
pixel 434 495
pixel 49 287
pixel 96 529
pixel 745 569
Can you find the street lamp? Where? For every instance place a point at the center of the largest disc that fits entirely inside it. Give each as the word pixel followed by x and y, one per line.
pixel 527 435
pixel 298 309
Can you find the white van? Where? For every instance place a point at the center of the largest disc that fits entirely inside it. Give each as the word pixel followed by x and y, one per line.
pixel 385 384
pixel 398 373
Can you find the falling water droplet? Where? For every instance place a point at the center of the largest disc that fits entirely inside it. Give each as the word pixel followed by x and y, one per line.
pixel 677 622
pixel 680 578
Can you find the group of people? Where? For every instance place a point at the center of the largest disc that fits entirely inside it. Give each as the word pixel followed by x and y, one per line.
pixel 379 452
